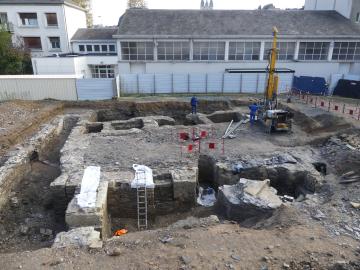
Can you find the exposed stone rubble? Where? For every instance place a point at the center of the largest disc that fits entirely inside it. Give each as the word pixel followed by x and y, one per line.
pixel 84 237
pixel 284 171
pixel 192 222
pixel 72 164
pixel 247 199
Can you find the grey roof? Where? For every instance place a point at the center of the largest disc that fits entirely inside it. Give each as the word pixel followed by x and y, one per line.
pixel 38 2
pixel 84 34
pixel 234 23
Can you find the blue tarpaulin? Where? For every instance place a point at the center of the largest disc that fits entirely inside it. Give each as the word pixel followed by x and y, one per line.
pixel 313 85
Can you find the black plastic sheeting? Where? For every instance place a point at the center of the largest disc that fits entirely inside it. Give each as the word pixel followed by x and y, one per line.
pixel 347 88
pixel 312 85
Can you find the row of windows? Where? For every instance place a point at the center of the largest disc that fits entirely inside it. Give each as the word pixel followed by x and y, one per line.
pixel 238 51
pixel 346 51
pixel 34 43
pixel 314 50
pixel 31 19
pixel 173 51
pixel 244 51
pixel 102 71
pixel 137 50
pixel 98 48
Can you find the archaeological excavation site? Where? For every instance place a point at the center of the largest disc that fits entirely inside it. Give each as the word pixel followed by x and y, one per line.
pixel 145 184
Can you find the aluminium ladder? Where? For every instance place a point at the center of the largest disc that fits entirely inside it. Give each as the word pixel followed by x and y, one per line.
pixel 142 211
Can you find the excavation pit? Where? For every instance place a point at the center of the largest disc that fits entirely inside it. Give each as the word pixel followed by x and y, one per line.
pixel 28 215
pixel 129 124
pixel 94 127
pixel 292 179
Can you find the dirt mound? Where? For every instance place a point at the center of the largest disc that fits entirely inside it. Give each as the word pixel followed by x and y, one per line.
pixel 283 217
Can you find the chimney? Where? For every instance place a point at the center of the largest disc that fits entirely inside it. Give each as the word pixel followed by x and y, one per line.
pixel 211 6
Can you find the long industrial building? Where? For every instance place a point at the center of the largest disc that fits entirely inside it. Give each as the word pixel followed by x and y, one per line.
pixel 312 42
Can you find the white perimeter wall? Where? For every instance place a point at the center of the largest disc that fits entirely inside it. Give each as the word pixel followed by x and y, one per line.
pixel 78 66
pixel 314 69
pixel 38 87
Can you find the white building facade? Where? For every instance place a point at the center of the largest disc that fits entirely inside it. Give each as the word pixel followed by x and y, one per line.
pixel 312 43
pixel 44 26
pixel 348 8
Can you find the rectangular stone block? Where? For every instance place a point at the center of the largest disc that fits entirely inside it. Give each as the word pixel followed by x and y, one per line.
pixel 184 184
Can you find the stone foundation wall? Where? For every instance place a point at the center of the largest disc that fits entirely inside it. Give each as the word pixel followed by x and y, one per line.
pixel 71 164
pixel 170 195
pixel 19 163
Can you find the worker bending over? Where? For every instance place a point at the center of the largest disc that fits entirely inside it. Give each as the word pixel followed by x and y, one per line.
pixel 253 110
pixel 194 102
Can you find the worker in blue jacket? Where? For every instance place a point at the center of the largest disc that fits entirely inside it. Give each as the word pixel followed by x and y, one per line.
pixel 194 102
pixel 253 110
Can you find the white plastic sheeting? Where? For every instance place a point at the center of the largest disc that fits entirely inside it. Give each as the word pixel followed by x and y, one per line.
pixel 206 197
pixel 89 185
pixel 143 177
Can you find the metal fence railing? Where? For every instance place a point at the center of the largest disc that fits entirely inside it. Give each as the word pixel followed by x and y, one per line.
pixel 328 104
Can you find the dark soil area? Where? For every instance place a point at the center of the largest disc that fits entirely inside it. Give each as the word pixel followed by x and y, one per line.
pixel 28 221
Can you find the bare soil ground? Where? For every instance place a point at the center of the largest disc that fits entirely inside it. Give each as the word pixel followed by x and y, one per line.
pixel 296 237
pixel 20 119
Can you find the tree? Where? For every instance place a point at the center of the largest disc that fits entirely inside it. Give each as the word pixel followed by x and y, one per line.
pixel 137 4
pixel 13 60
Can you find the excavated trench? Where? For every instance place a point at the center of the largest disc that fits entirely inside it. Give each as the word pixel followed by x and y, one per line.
pixel 286 181
pixel 28 220
pixel 174 109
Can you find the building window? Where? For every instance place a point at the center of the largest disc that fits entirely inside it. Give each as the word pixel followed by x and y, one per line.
pixel 102 71
pixel 173 51
pixel 357 19
pixel 3 18
pixel 54 42
pixel 89 48
pixel 137 51
pixel 104 48
pixel 112 48
pixel 314 50
pixel 244 51
pixel 346 51
pixel 97 48
pixel 82 48
pixel 32 43
pixel 212 50
pixel 51 19
pixel 28 19
pixel 286 50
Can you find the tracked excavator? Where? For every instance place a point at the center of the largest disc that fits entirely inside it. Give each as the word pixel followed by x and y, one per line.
pixel 275 119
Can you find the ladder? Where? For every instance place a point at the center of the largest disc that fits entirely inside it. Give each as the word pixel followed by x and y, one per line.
pixel 142 211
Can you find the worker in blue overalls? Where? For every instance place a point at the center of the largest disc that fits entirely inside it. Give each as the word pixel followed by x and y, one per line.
pixel 194 102
pixel 253 110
